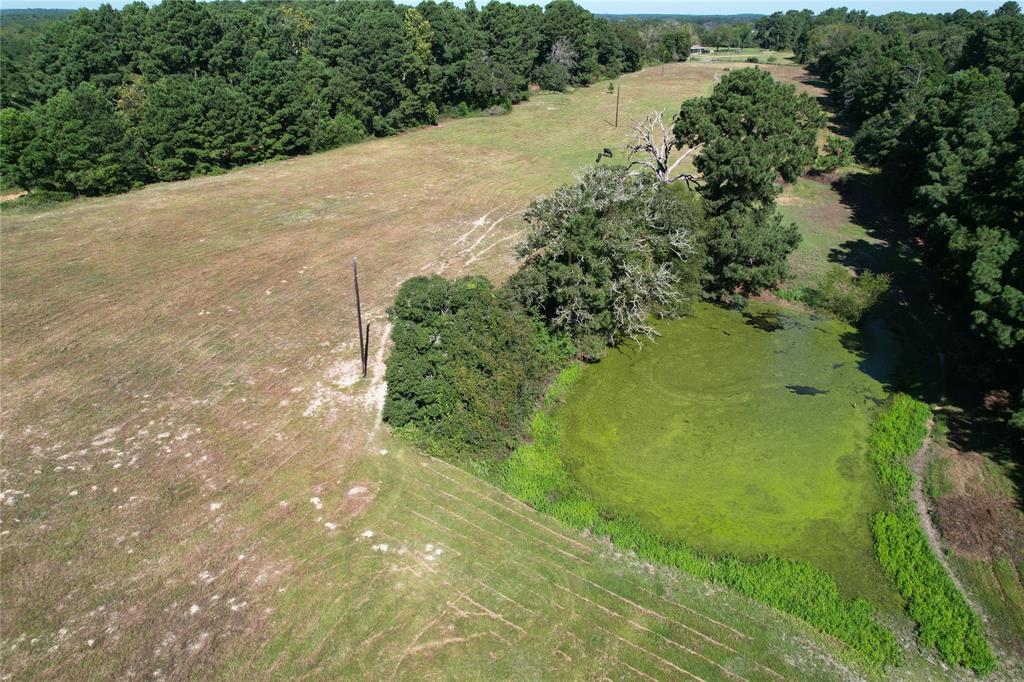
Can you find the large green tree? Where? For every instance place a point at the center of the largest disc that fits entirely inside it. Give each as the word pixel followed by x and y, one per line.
pixel 750 131
pixel 79 146
pixel 311 75
pixel 187 126
pixel 607 252
pixel 968 196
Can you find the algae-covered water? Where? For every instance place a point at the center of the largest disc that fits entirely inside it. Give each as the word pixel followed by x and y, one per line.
pixel 741 433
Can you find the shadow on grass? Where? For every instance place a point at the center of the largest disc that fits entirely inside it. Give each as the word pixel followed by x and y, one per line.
pixel 837 124
pixel 942 360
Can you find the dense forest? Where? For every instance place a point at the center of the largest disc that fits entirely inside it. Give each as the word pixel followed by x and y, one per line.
pixel 104 100
pixel 937 102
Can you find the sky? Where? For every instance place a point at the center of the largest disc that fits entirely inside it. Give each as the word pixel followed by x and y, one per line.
pixel 660 6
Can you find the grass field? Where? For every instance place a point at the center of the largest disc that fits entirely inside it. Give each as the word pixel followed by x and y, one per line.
pixel 191 459
pixel 740 434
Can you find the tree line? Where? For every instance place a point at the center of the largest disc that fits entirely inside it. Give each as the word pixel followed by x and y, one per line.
pixel 103 100
pixel 937 102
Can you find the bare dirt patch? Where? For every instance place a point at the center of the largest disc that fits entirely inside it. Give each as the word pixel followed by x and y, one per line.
pixel 976 519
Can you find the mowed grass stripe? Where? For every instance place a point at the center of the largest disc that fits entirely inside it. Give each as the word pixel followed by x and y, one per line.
pixel 518 581
pixel 619 599
pixel 687 612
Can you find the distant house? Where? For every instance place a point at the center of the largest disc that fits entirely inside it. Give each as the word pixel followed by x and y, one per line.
pixel 699 49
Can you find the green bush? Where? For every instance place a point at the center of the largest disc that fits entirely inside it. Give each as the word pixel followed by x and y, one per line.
pixel 467 366
pixel 340 130
pixel 838 152
pixel 944 619
pixel 552 76
pixel 846 295
pixel 536 474
pixel 896 434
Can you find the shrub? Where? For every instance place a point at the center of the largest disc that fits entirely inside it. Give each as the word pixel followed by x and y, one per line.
pixel 552 76
pixel 1017 417
pixel 846 295
pixel 895 435
pixel 467 366
pixel 944 619
pixel 838 152
pixel 753 60
pixel 342 129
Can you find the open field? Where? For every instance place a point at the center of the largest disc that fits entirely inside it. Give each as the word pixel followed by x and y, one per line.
pixel 740 434
pixel 191 459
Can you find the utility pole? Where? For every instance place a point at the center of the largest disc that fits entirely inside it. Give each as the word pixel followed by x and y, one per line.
pixel 618 94
pixel 364 341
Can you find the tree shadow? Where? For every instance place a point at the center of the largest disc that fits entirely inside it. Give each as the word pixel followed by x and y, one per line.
pixel 836 123
pixel 941 360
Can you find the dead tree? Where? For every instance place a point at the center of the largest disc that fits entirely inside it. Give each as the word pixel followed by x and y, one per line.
pixel 652 148
pixel 562 53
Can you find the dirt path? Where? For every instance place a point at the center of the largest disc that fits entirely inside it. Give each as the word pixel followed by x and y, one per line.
pixel 918 465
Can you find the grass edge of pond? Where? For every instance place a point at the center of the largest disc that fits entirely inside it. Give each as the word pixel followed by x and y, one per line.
pixel 536 474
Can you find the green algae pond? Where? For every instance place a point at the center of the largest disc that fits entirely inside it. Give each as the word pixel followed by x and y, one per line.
pixel 741 433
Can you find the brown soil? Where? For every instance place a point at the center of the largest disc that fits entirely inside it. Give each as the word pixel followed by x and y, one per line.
pixel 918 464
pixel 977 520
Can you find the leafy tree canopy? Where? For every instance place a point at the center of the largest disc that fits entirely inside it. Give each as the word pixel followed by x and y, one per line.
pixel 467 365
pixel 285 77
pixel 607 252
pixel 750 131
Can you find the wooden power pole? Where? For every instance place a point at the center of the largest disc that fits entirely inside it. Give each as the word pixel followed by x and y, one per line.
pixel 364 340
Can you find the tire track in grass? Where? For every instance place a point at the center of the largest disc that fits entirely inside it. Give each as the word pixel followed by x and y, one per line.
pixel 627 666
pixel 610 592
pixel 644 628
pixel 638 626
pixel 512 502
pixel 697 613
pixel 651 654
pixel 767 669
pixel 591 603
pixel 508 525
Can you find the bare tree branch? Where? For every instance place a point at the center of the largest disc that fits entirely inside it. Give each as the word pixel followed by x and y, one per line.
pixel 652 148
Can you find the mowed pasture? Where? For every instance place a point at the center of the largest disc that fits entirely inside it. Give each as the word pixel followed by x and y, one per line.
pixel 195 478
